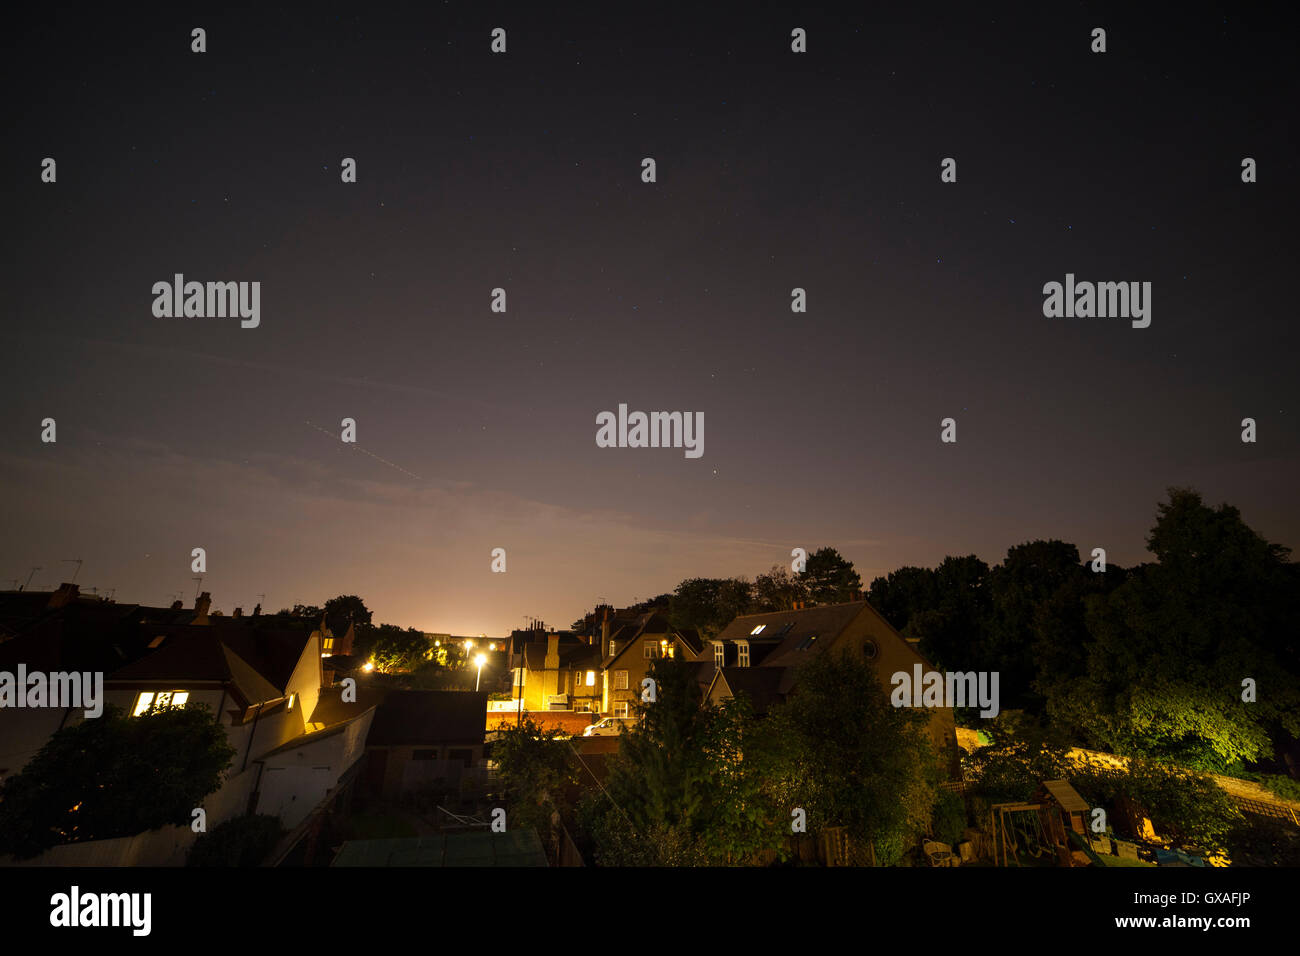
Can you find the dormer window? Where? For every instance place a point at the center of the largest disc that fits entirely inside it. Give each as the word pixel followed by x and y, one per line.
pixel 742 647
pixel 719 654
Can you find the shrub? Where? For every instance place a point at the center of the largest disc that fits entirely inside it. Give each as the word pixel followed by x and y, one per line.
pixel 244 841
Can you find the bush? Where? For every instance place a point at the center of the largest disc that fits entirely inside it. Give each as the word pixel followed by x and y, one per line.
pixel 949 818
pixel 244 841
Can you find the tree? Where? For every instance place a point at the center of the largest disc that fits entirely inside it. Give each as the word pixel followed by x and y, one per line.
pixel 396 649
pixel 351 608
pixel 659 775
pixel 709 604
pixel 829 578
pixel 903 594
pixel 537 769
pixel 778 590
pixel 114 776
pixel 1170 648
pixel 688 786
pixel 851 759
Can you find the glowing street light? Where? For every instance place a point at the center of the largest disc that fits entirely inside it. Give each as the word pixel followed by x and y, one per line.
pixel 480 661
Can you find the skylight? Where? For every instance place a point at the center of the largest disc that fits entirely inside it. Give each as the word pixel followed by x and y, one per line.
pixel 757 630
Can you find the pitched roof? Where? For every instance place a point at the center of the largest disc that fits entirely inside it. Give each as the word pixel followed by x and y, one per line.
pixel 760 684
pixel 198 655
pixel 806 630
pixel 430 716
pixel 331 708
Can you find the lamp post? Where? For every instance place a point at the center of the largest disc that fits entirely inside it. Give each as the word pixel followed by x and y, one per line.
pixel 480 661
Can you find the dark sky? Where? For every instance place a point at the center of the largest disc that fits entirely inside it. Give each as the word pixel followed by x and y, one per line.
pixel 476 430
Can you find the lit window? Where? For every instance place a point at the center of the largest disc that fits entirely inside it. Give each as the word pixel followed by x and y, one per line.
pixel 591 678
pixel 328 645
pixel 757 630
pixel 620 680
pixel 289 706
pixel 613 648
pixel 743 648
pixel 159 701
pixel 719 654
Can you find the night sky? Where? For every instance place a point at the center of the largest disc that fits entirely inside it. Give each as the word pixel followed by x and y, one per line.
pixel 776 170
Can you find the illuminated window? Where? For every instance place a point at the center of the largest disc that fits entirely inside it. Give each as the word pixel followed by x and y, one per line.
pixel 613 648
pixel 743 648
pixel 591 678
pixel 757 630
pixel 159 701
pixel 620 680
pixel 289 706
pixel 719 654
pixel 327 645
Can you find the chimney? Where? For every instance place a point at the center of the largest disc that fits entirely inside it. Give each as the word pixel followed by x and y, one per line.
pixel 177 605
pixel 239 612
pixel 201 608
pixel 604 629
pixel 66 594
pixel 552 652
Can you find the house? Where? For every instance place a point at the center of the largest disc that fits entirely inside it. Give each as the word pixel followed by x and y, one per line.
pixel 557 672
pixel 629 650
pixel 64 631
pixel 265 685
pixel 760 654
pixel 261 679
pixel 424 739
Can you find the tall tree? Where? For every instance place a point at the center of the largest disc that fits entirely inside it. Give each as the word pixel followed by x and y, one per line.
pixel 851 759
pixel 1172 647
pixel 778 590
pixel 829 577
pixel 351 608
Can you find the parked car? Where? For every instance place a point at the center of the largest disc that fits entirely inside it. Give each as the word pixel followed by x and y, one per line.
pixel 606 727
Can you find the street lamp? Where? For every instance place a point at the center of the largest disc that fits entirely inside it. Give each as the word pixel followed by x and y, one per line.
pixel 480 661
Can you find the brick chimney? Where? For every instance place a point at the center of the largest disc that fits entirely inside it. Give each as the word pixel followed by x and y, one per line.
pixel 66 594
pixel 239 612
pixel 201 607
pixel 604 630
